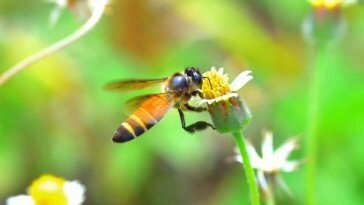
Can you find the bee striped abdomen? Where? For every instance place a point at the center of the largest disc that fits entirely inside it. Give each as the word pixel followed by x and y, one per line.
pixel 133 127
pixel 141 120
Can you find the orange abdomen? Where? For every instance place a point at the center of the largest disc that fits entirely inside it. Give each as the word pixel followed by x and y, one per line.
pixel 146 116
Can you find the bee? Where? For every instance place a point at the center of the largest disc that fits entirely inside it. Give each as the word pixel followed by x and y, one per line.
pixel 178 89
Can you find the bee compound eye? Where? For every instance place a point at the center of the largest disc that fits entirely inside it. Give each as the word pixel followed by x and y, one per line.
pixel 179 82
pixel 189 71
pixel 197 78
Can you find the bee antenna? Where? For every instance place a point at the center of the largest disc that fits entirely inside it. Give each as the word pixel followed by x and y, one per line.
pixel 208 80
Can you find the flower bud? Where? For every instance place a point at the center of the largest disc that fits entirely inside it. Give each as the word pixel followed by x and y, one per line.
pixel 230 115
pixel 326 23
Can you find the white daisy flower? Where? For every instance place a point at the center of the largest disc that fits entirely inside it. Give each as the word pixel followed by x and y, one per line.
pixel 272 162
pixel 228 112
pixel 48 190
pixel 216 85
pixel 83 9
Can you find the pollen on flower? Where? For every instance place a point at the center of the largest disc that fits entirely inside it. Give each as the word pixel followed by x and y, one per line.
pixel 228 112
pixel 48 190
pixel 215 84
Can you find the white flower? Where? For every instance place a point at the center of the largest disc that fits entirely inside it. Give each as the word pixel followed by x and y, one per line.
pixel 272 162
pixel 56 11
pixel 48 190
pixel 83 9
pixel 20 200
pixel 75 192
pixel 216 85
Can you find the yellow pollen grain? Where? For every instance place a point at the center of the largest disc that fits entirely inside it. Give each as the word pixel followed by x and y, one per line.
pixel 215 85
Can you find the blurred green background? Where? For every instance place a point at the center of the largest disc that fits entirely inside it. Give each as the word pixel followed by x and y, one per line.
pixel 55 118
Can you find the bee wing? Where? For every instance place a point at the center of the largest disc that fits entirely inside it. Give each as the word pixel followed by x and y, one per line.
pixel 133 84
pixel 150 102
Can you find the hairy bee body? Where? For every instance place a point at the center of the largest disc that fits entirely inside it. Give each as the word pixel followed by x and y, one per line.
pixel 178 90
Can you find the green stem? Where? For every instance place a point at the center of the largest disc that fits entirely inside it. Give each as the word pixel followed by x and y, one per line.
pixel 254 192
pixel 270 196
pixel 312 122
pixel 96 15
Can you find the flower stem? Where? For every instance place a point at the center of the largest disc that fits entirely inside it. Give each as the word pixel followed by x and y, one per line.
pixel 84 29
pixel 270 196
pixel 254 192
pixel 312 121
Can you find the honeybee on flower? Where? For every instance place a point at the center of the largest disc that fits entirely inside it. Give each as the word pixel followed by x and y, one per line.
pixel 229 113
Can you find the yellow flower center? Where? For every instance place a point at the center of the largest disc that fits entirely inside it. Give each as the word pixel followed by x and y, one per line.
pixel 329 4
pixel 48 190
pixel 215 85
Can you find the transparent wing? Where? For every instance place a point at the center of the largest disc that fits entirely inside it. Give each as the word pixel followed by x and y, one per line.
pixel 150 102
pixel 129 85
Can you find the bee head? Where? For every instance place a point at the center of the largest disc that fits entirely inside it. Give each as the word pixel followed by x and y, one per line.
pixel 195 75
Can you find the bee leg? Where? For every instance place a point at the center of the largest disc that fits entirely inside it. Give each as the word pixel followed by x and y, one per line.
pixel 195 109
pixel 199 93
pixel 197 126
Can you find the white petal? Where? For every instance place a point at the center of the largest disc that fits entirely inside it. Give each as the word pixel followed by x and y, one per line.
pixel 54 16
pixel 262 181
pixel 267 146
pixel 75 192
pixel 350 2
pixel 221 98
pixel 242 79
pixel 285 150
pixel 20 200
pixel 211 101
pixel 56 12
pixel 84 9
pixel 197 101
pixel 290 166
pixel 236 151
pixel 213 69
pixel 58 2
pixel 255 160
pixel 238 158
pixel 283 185
pixel 221 71
pixel 201 102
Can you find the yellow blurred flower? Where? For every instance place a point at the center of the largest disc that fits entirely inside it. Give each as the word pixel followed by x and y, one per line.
pixel 48 190
pixel 326 24
pixel 331 4
pixel 51 190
